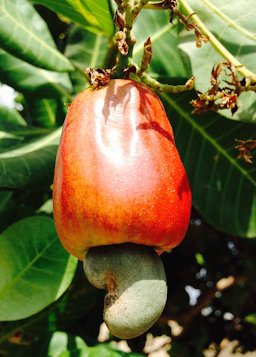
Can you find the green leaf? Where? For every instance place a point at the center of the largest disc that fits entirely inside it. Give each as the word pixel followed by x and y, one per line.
pixel 64 345
pixel 76 302
pixel 8 140
pixel 7 208
pixel 14 127
pixel 35 269
pixel 199 259
pixel 95 16
pixel 61 343
pixel 44 112
pixel 26 78
pixel 164 38
pixel 223 187
pixel 11 122
pixel 85 49
pixel 232 37
pixel 24 34
pixel 5 199
pixel 46 208
pixel 11 116
pixel 251 319
pixel 107 351
pixel 31 165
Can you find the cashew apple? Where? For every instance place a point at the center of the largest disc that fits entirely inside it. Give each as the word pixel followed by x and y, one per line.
pixel 119 180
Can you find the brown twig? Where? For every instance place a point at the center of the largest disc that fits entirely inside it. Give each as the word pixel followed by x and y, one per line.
pixel 223 94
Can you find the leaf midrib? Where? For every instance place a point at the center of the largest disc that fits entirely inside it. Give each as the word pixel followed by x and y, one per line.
pixel 210 139
pixel 37 39
pixel 9 285
pixel 228 20
pixel 44 142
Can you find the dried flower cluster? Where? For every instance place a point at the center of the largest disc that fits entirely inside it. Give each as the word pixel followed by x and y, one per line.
pixel 190 25
pixel 120 36
pixel 245 148
pixel 185 20
pixel 98 77
pixel 223 94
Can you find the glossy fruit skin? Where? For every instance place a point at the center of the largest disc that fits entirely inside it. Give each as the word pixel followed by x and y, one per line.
pixel 118 176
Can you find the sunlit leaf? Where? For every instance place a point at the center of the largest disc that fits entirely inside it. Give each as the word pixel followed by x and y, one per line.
pixel 95 16
pixel 166 61
pixel 40 272
pixel 77 301
pixel 11 116
pixel 11 122
pixel 234 36
pixel 66 345
pixel 26 78
pixel 31 164
pixel 223 187
pixel 44 112
pixel 251 319
pixel 85 49
pixel 24 34
pixel 61 344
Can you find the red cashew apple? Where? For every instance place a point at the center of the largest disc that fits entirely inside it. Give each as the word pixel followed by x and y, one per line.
pixel 120 195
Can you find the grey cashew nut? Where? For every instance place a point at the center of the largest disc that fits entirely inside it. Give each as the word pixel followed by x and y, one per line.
pixel 136 282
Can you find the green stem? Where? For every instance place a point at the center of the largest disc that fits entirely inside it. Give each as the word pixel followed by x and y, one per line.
pixel 123 62
pixel 161 87
pixel 245 72
pixel 111 57
pixel 131 9
pixel 166 88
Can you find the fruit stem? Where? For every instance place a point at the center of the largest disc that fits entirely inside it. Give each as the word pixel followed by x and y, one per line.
pixel 127 12
pixel 161 87
pixel 123 62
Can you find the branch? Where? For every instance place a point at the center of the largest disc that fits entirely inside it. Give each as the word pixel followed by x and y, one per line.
pixel 245 72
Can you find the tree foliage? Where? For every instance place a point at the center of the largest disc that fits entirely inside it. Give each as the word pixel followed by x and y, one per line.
pixel 45 47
